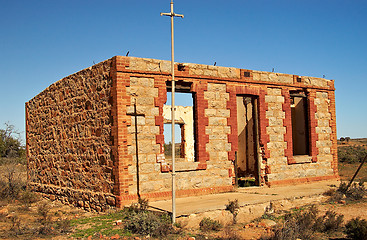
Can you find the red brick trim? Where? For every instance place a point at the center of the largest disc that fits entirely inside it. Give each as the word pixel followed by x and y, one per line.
pixel 120 122
pixel 263 124
pixel 287 123
pixel 160 83
pixel 312 124
pixel 334 147
pixel 127 199
pixel 331 84
pixel 232 120
pixel 202 166
pixel 233 91
pixel 301 180
pixel 202 121
pixel 122 64
pixel 249 80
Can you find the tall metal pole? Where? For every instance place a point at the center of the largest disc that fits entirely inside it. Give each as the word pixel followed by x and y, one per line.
pixel 172 15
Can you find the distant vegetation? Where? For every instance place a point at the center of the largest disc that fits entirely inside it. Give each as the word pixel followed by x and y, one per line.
pixel 351 154
pixel 10 143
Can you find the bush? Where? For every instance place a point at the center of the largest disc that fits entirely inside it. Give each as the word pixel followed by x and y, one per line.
pixel 208 224
pixel 141 205
pixel 15 224
pixel 27 198
pixel 306 224
pixel 45 219
pixel 351 154
pixel 330 222
pixel 234 208
pixel 356 229
pixel 12 186
pixel 63 226
pixel 355 192
pixel 146 222
pixel 230 234
pixel 10 143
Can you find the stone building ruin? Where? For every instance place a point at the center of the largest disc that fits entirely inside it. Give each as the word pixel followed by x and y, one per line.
pixel 81 137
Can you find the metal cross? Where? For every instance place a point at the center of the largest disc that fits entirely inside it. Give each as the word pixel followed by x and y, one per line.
pixel 172 15
pixel 135 114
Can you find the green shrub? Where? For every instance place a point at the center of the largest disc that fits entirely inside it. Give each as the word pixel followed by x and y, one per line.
pixel 10 143
pixel 208 224
pixel 356 229
pixel 146 222
pixel 351 154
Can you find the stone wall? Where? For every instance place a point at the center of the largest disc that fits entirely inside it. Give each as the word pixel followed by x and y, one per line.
pixel 69 139
pixel 142 93
pixel 218 130
pixel 154 176
pixel 215 89
pixel 81 139
pixel 284 166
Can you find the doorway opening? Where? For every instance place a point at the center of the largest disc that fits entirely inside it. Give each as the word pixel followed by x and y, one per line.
pixel 299 123
pixel 248 172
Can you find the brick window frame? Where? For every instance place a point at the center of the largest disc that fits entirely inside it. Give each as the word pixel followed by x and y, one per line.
pixel 311 121
pixel 201 121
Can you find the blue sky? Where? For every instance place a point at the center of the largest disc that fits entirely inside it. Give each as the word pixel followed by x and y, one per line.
pixel 43 41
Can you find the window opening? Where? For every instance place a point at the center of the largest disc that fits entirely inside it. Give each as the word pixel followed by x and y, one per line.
pixel 179 150
pixel 184 123
pixel 300 133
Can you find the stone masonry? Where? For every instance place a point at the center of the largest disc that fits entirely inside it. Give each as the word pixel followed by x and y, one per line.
pixel 81 139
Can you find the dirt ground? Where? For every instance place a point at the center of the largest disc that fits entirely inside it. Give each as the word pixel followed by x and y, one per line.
pixel 43 219
pixel 351 210
pixel 28 222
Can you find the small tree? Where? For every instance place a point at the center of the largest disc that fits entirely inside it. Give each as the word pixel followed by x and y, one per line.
pixel 10 143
